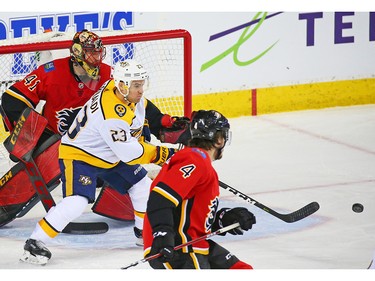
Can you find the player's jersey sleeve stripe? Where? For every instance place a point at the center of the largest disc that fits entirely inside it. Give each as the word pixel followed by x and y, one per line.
pixel 167 195
pixel 12 91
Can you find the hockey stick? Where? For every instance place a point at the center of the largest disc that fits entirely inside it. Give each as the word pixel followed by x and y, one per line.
pixel 204 237
pixel 25 155
pixel 300 214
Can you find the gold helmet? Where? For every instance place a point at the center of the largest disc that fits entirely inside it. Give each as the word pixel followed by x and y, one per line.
pixel 88 51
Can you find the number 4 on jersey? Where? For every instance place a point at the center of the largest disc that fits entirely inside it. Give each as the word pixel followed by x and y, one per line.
pixel 187 170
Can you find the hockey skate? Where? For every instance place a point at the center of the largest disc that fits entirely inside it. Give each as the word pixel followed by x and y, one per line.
pixel 35 252
pixel 138 235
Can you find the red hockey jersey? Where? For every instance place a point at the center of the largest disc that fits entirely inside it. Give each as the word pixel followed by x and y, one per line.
pixel 64 94
pixel 191 183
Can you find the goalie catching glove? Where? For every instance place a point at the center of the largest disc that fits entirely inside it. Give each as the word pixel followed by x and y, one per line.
pixel 163 153
pixel 227 216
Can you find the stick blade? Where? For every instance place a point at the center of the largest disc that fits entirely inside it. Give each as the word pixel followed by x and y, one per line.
pixel 302 213
pixel 84 228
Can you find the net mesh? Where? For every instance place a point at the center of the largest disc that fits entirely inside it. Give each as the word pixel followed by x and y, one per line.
pixel 163 59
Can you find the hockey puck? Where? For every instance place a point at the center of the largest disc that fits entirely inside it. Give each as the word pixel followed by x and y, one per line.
pixel 357 208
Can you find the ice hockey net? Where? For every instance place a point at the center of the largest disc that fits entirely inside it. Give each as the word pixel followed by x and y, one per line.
pixel 165 54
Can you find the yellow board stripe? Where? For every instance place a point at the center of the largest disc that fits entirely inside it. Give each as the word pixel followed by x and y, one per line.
pixel 289 98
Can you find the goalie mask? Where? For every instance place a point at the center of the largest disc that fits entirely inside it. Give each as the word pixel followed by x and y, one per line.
pixel 88 51
pixel 205 124
pixel 128 71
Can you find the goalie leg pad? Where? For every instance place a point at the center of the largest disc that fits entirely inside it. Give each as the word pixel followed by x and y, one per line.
pixel 16 189
pixel 114 201
pixel 9 213
pixel 112 204
pixel 14 195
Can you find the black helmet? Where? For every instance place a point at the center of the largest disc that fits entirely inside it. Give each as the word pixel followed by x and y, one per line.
pixel 205 123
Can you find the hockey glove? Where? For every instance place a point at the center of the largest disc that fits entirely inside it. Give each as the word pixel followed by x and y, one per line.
pixel 163 243
pixel 178 132
pixel 146 133
pixel 226 216
pixel 180 122
pixel 163 153
pixel 169 135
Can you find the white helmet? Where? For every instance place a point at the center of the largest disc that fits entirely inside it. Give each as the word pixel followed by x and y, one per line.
pixel 128 71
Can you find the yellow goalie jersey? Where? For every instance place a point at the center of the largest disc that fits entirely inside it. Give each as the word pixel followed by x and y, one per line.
pixel 106 131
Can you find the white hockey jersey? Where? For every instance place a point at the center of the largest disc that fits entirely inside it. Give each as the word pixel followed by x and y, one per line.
pixel 106 130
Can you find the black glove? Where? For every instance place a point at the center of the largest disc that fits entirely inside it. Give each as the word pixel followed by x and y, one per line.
pixel 180 122
pixel 179 132
pixel 163 243
pixel 226 216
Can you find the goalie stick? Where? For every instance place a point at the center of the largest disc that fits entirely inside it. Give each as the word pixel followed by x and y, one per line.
pixel 25 155
pixel 204 237
pixel 300 214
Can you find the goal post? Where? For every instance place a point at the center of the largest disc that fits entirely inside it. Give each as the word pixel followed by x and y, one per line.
pixel 166 54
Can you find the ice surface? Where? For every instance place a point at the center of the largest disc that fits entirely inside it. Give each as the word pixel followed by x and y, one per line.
pixel 284 161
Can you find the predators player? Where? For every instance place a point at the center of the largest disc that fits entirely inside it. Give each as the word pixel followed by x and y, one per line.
pixel 184 200
pixel 104 138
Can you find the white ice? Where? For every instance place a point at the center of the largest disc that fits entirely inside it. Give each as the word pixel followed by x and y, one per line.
pixel 284 161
